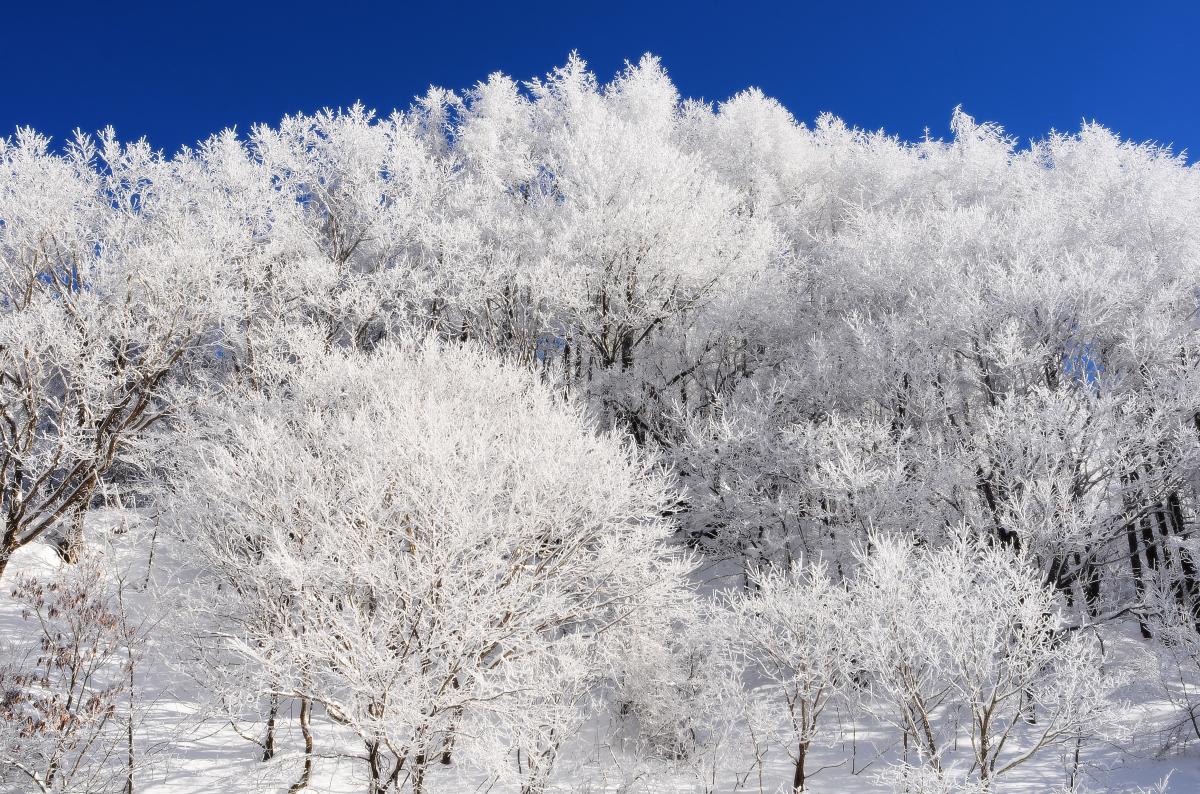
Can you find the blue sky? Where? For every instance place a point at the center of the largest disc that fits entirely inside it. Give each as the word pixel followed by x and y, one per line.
pixel 178 71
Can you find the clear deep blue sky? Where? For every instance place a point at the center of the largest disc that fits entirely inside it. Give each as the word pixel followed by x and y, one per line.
pixel 178 71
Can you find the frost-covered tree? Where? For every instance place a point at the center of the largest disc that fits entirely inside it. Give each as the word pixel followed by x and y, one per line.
pixel 997 312
pixel 968 637
pixel 829 336
pixel 435 549
pixel 790 629
pixel 638 251
pixel 110 281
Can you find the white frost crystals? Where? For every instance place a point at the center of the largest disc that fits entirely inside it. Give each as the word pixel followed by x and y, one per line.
pixel 433 546
pixel 577 436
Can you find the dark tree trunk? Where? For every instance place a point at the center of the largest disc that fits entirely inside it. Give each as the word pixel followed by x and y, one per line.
pixel 1135 566
pixel 269 741
pixel 375 783
pixel 1187 567
pixel 1090 584
pixel 798 775
pixel 306 731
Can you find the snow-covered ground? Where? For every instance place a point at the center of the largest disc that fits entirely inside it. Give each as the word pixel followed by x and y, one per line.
pixel 191 750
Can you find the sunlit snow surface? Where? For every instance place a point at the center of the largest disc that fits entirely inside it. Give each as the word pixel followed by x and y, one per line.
pixel 197 752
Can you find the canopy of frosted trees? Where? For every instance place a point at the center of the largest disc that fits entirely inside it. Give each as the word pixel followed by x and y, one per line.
pixel 560 406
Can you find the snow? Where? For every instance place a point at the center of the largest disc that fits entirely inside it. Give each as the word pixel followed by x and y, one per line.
pixel 193 751
pixel 440 405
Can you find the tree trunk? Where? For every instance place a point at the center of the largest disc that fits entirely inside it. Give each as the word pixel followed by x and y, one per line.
pixel 129 746
pixel 269 740
pixel 1090 584
pixel 418 775
pixel 72 545
pixel 306 730
pixel 798 776
pixel 1135 565
pixel 1187 567
pixel 375 783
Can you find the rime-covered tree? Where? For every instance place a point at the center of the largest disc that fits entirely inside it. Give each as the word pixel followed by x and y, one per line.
pixel 432 542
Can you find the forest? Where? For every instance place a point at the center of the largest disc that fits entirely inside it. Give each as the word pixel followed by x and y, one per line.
pixel 575 436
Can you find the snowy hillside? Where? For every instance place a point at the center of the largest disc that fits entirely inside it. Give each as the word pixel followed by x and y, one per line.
pixel 575 436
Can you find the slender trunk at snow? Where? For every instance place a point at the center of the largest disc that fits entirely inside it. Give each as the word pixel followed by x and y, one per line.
pixel 269 739
pixel 71 547
pixel 375 783
pixel 798 775
pixel 306 731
